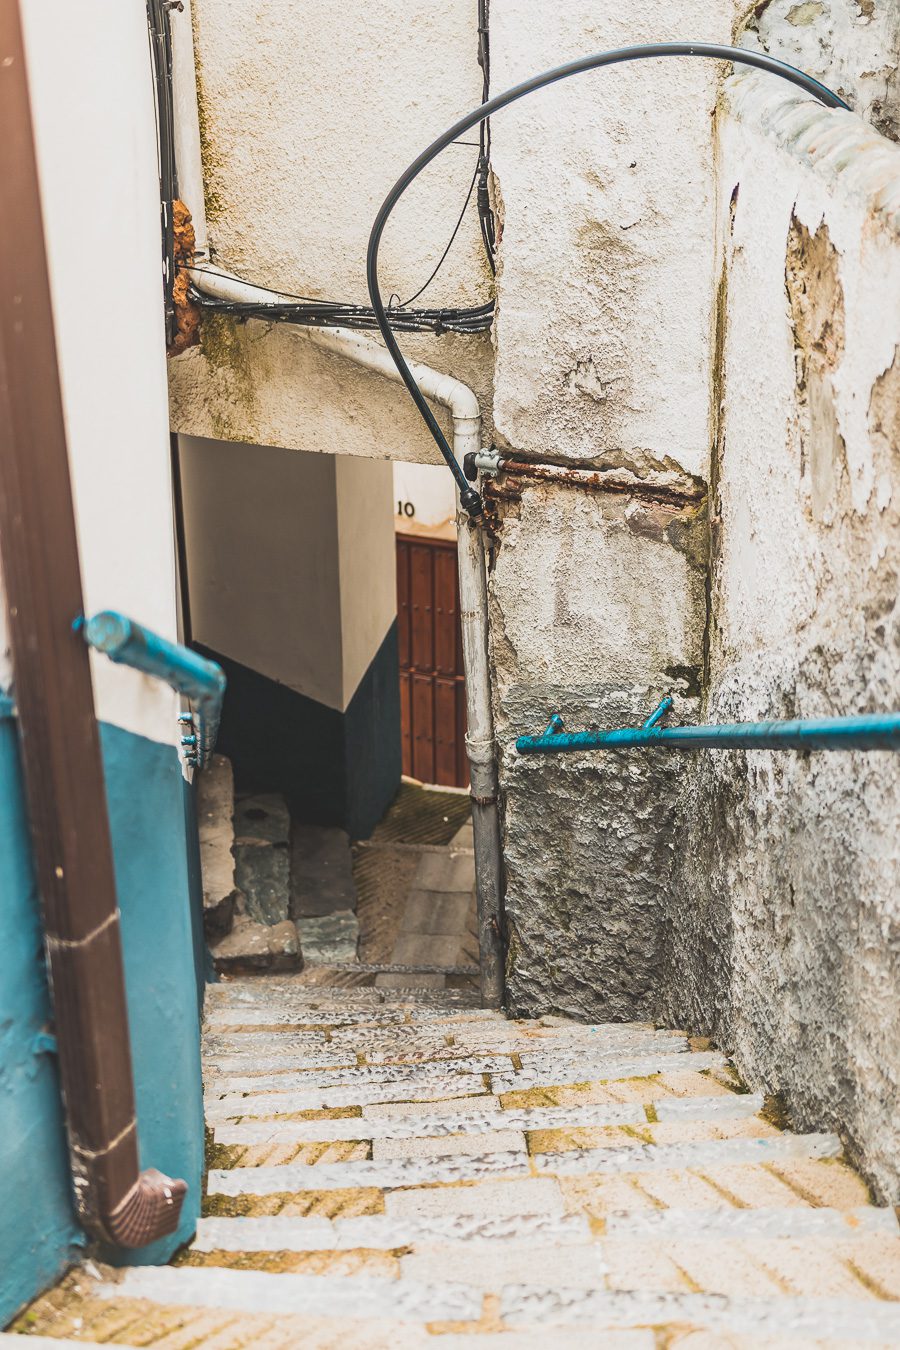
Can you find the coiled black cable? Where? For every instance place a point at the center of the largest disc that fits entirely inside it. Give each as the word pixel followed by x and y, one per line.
pixel 469 497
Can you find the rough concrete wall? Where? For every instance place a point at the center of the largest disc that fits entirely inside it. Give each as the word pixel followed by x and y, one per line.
pixel 851 45
pixel 308 114
pixel 785 926
pixel 604 354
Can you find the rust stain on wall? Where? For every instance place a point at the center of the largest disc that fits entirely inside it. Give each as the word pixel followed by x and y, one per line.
pixel 187 314
pixel 816 298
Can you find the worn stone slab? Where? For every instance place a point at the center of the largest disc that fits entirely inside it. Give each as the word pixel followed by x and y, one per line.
pixel 447 871
pixel 263 1015
pixel 382 1233
pixel 563 1055
pixel 490 1200
pixel 291 1081
pixel 412 949
pixel 490 1269
pixel 425 1146
pixel 321 871
pixel 354 1175
pixel 307 1295
pixel 412 1109
pixel 285 1103
pixel 263 874
pixel 601 1070
pixel 730 1106
pixel 12 1339
pixel 430 1124
pixel 562 1340
pixel 262 818
pixel 329 939
pixel 221 1065
pixel 860 1321
pixel 359 997
pixel 438 913
pixel 258 946
pixel 745 1224
pixel 695 1155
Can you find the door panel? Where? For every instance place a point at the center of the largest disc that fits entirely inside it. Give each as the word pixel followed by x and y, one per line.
pixel 432 685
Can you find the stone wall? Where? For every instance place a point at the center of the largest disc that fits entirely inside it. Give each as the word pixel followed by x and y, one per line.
pixel 785 925
pixel 605 347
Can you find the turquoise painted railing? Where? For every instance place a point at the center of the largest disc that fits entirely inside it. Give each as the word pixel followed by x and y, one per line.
pixel 203 682
pixel 873 731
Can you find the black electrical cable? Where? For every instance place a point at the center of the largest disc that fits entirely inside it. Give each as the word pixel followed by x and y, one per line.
pixel 483 199
pixel 161 59
pixel 303 310
pixel 470 499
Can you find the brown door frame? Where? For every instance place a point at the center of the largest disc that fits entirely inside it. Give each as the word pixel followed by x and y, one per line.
pixel 432 675
pixel 59 739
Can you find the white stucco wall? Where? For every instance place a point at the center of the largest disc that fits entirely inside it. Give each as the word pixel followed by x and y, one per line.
pixel 290 562
pixel 308 115
pixel 608 262
pixel 94 121
pixel 430 490
pixel 367 564
pixel 793 966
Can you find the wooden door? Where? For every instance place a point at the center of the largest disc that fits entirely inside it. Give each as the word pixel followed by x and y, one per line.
pixel 432 686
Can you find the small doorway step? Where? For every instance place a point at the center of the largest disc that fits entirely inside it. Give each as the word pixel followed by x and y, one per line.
pixel 396 910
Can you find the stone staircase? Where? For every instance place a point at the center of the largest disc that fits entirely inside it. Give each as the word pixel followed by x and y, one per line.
pixel 396 1170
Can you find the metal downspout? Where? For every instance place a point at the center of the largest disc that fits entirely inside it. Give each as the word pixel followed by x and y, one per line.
pixel 59 738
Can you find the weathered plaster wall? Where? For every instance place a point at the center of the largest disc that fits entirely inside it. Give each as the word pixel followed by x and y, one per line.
pixel 785 927
pixel 851 45
pixel 351 93
pixel 604 341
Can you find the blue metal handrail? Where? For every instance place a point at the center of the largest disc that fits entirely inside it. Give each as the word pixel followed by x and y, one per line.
pixel 203 682
pixel 872 731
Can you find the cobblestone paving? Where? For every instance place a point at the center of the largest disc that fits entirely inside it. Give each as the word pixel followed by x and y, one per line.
pixel 399 1170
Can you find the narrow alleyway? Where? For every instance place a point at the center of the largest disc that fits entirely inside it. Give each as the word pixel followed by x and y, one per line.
pixel 397 1170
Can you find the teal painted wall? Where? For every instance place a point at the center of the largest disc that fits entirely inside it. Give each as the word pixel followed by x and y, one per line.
pixel 151 819
pixel 38 1234
pixel 146 795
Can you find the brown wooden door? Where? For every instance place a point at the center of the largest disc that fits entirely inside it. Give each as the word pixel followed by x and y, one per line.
pixel 432 687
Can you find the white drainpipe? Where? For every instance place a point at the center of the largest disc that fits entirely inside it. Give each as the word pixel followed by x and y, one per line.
pixel 465 412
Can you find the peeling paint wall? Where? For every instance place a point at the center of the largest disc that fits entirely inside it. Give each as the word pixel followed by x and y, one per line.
pixel 851 45
pixel 784 938
pixel 605 341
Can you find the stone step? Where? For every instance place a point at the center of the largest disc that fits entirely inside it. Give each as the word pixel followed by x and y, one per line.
pixel 858 1321
pixel 485 1122
pixel 316 1099
pixel 699 1155
pixel 290 1080
pixel 12 1339
pixel 267 1016
pixel 380 1233
pixel 623 1159
pixel 254 1291
pixel 795 1223
pixel 590 1070
pixel 387 1175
